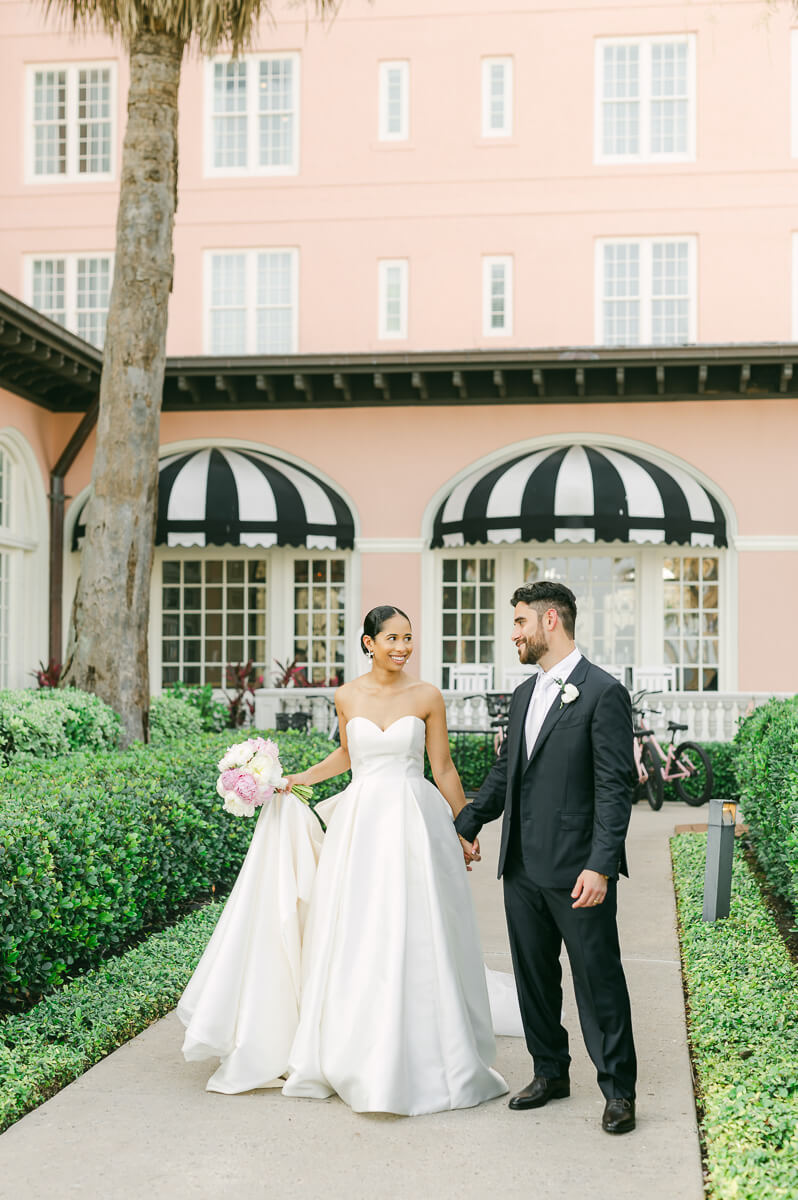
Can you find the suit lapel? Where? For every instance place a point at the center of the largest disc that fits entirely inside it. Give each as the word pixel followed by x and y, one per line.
pixel 557 709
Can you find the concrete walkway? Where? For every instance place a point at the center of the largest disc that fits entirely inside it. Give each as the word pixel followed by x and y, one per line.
pixel 140 1124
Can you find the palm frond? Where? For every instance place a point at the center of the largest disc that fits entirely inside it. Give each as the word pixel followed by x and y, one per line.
pixel 210 24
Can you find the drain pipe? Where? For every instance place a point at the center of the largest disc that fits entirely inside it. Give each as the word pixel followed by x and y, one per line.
pixel 57 499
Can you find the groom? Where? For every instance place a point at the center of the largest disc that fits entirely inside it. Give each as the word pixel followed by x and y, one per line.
pixel 563 783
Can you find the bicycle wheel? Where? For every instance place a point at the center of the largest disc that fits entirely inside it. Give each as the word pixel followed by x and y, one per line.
pixel 653 787
pixel 696 788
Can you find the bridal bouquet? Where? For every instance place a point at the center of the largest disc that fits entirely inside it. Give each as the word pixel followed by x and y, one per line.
pixel 250 774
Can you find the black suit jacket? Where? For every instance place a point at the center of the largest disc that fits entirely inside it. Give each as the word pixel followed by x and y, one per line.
pixel 574 795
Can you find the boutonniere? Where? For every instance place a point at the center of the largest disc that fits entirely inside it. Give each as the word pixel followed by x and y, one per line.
pixel 568 692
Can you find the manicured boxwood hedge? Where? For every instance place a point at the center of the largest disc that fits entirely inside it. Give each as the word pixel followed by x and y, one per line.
pixel 51 722
pixel 95 849
pixel 743 1026
pixel 767 768
pixel 61 1037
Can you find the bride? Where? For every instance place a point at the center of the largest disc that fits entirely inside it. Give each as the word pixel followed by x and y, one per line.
pixel 393 1009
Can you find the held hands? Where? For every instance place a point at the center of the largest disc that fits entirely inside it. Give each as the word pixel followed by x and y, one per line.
pixel 470 851
pixel 589 889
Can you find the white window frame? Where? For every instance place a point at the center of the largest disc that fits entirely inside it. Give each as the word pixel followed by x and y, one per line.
pixel 384 265
pixel 506 129
pixel 24 543
pixel 489 261
pixel 646 245
pixel 649 599
pixel 252 167
pixel 384 134
pixel 70 262
pixel 279 635
pixel 71 175
pixel 645 154
pixel 251 284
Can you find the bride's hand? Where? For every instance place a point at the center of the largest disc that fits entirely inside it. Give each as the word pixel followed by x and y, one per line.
pixel 470 851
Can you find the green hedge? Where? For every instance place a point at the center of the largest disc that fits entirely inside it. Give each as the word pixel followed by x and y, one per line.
pixel 767 767
pixel 96 849
pixel 172 719
pixel 68 1032
pixel 743 1027
pixel 50 722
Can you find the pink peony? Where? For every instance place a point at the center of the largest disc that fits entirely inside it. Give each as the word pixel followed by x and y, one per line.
pixel 271 748
pixel 245 787
pixel 263 795
pixel 230 779
pixel 258 745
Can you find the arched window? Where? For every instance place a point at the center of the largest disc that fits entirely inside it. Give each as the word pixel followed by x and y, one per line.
pixel 638 538
pixel 252 562
pixel 23 561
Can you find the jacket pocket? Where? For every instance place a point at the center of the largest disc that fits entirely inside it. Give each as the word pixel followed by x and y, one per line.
pixel 577 821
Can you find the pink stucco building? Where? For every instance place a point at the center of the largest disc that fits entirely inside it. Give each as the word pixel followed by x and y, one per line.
pixel 465 293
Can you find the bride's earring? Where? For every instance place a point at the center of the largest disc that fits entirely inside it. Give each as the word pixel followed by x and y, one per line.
pixel 371 655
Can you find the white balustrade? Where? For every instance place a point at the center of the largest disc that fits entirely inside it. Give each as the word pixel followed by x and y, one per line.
pixel 709 716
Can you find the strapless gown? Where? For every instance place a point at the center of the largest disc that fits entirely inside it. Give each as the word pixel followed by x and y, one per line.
pixel 354 965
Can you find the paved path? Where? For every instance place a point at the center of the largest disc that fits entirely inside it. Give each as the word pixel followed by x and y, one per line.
pixel 140 1124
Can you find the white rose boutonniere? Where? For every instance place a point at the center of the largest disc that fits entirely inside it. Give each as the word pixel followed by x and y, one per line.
pixel 568 693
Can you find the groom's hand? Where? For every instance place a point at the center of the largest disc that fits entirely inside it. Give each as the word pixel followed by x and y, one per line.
pixel 589 889
pixel 470 851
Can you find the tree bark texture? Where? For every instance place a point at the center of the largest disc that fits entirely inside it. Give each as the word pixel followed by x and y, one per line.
pixel 108 651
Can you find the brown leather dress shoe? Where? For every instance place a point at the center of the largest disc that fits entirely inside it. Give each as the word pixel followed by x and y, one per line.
pixel 619 1116
pixel 540 1091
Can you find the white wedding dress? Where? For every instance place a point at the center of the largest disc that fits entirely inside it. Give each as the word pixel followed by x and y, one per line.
pixel 391 1008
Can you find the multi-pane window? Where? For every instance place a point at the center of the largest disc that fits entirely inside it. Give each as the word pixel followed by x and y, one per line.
pixel 646 292
pixel 213 615
pixel 394 101
pixel 252 302
pixel 5 565
pixel 645 100
pixel 469 612
pixel 5 490
pixel 392 283
pixel 71 121
pixel 319 619
pixel 497 295
pixel 73 290
pixel 606 591
pixel 692 620
pixel 497 97
pixel 253 106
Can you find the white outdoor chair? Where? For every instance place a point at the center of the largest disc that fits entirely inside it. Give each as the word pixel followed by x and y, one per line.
pixel 517 675
pixel 653 679
pixel 471 677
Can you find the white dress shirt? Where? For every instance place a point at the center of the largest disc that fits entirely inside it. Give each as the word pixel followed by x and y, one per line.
pixel 546 691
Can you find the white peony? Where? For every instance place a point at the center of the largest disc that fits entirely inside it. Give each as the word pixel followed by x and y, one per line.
pixel 267 770
pixel 236 756
pixel 238 807
pixel 569 693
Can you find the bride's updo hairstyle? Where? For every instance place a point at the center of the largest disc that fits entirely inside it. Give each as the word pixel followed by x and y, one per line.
pixel 374 621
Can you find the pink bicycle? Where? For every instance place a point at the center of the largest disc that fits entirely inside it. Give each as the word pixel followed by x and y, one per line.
pixel 686 766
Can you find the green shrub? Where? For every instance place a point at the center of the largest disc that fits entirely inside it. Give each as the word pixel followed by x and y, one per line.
pixel 743 1028
pixel 53 721
pixel 767 767
pixel 214 714
pixel 62 1036
pixel 96 849
pixel 172 719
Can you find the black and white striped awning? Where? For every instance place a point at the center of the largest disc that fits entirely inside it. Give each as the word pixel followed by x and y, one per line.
pixel 233 497
pixel 579 494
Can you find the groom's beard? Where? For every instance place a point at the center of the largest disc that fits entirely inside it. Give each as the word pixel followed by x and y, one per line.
pixel 532 649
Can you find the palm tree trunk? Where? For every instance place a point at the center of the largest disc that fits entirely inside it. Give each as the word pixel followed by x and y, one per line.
pixel 108 639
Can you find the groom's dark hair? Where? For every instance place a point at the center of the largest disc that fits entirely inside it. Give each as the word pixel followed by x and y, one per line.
pixel 543 595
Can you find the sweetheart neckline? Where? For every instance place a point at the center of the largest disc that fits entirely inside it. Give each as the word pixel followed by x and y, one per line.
pixel 387 727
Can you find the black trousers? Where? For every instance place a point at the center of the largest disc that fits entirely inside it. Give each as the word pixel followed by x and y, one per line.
pixel 539 920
